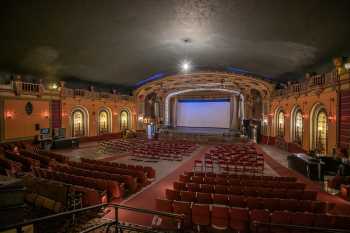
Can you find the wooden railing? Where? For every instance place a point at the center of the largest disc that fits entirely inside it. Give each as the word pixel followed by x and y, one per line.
pixel 309 84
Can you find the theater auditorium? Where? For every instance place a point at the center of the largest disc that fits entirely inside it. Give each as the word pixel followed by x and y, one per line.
pixel 186 116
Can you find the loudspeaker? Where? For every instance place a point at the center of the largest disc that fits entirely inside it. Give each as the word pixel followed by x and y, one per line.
pixel 37 126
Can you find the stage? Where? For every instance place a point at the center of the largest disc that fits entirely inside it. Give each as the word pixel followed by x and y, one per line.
pixel 201 134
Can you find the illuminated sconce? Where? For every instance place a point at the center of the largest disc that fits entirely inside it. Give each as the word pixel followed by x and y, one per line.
pixel 347 64
pixel 115 114
pixel 287 115
pixel 140 118
pixel 53 86
pixel 305 116
pixel 64 114
pixel 46 114
pixel 9 115
pixel 332 117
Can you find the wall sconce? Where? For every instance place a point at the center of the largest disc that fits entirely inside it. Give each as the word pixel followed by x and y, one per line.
pixel 305 116
pixel 53 86
pixel 115 114
pixel 9 115
pixel 140 118
pixel 64 114
pixel 287 115
pixel 347 64
pixel 46 114
pixel 332 117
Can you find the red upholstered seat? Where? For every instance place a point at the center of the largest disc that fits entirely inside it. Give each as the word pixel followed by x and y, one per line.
pixel 179 186
pixel 207 188
pixel 200 215
pixel 181 207
pixel 289 204
pixel 262 216
pixel 237 201
pixel 304 219
pixel 204 198
pixel 220 199
pixel 221 189
pixel 239 219
pixel 280 217
pixel 187 196
pixel 172 194
pixel 254 203
pixel 271 204
pixel 219 217
pixel 164 205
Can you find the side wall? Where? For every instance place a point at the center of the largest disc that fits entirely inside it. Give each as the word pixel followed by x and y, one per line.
pixel 306 104
pixel 16 124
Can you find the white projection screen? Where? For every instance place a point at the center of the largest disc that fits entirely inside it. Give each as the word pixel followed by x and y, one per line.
pixel 200 113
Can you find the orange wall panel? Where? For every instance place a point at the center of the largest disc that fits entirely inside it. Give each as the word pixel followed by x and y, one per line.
pixel 18 124
pixel 306 103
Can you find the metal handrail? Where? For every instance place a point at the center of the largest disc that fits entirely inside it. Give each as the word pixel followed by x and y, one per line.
pixel 72 212
pixel 299 227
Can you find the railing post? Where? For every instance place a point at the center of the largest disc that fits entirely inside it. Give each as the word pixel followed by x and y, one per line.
pixel 116 219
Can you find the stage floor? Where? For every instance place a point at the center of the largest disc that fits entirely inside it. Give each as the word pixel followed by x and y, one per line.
pixel 200 130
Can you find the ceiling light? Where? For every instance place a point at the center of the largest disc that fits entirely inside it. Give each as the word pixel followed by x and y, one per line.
pixel 185 66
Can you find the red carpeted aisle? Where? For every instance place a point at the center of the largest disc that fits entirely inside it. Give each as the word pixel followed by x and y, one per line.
pixel 146 198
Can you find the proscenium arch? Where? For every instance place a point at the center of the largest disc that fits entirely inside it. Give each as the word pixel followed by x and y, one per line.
pixel 167 99
pixel 86 119
pixel 109 118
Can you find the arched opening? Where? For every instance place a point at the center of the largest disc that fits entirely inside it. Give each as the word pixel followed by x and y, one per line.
pixel 319 129
pixel 103 122
pixel 297 126
pixel 280 123
pixel 78 124
pixel 124 119
pixel 321 132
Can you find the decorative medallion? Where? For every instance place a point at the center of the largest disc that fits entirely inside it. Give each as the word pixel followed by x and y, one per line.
pixel 29 108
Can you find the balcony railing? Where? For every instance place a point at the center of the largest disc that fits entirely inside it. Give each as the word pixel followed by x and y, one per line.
pixel 311 83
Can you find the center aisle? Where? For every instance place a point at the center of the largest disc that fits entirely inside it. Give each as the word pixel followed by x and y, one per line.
pixel 146 198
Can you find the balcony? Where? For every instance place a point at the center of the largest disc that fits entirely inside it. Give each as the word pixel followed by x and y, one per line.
pixel 316 82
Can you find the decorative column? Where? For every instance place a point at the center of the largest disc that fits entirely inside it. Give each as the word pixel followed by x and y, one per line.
pixel 234 112
pixel 174 111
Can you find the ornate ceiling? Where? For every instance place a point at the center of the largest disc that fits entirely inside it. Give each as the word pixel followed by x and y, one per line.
pixel 210 80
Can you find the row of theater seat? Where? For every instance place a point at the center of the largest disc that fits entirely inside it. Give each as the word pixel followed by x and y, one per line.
pixel 250 202
pixel 242 219
pixel 139 175
pixel 112 187
pixel 62 191
pixel 296 191
pixel 9 167
pixel 27 163
pixel 148 170
pixel 249 191
pixel 167 150
pixel 239 176
pixel 243 182
pixel 124 180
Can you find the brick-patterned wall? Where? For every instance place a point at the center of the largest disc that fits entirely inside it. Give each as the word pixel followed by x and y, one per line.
pixel 344 124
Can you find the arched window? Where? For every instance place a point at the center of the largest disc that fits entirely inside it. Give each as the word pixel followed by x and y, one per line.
pixel 321 132
pixel 78 124
pixel 124 120
pixel 103 122
pixel 280 124
pixel 298 127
